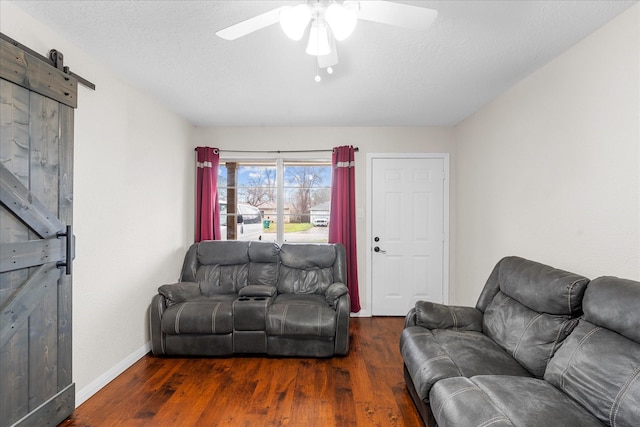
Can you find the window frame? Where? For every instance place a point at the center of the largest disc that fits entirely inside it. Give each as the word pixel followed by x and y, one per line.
pixel 280 163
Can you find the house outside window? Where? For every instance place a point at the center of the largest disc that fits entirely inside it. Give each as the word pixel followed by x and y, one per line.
pixel 275 200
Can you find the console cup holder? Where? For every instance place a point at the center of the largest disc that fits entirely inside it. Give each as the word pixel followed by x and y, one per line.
pixel 246 298
pixel 249 315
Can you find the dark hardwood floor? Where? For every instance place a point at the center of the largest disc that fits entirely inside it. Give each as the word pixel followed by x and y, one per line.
pixel 365 388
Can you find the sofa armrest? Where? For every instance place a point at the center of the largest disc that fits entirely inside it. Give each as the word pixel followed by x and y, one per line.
pixel 158 305
pixel 335 291
pixel 179 292
pixel 343 316
pixel 257 291
pixel 410 318
pixel 438 316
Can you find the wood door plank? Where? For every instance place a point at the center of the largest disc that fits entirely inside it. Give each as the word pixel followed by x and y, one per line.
pixel 65 193
pixel 44 155
pixel 31 253
pixel 14 129
pixel 14 390
pixel 14 155
pixel 26 70
pixel 43 346
pixel 26 206
pixel 52 412
pixel 18 309
pixel 65 214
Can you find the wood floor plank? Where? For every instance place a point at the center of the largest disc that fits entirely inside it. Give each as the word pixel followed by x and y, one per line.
pixel 364 388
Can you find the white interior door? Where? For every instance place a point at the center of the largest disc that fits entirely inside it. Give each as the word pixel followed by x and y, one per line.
pixel 407 233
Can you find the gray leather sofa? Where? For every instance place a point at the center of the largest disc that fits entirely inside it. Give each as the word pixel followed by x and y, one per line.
pixel 542 347
pixel 239 297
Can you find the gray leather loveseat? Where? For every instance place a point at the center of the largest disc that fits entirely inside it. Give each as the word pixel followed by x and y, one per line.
pixel 239 297
pixel 542 347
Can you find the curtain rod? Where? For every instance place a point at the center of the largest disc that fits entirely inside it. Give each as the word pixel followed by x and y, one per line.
pixel 278 151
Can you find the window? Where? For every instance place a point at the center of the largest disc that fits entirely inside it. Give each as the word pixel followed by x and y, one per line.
pixel 275 200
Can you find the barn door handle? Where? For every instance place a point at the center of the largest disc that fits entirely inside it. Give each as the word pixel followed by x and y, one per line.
pixel 68 250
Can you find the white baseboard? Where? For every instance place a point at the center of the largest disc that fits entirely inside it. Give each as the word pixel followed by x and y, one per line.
pixel 111 374
pixel 361 313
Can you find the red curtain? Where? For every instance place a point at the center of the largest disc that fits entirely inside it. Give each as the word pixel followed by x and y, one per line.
pixel 342 223
pixel 207 208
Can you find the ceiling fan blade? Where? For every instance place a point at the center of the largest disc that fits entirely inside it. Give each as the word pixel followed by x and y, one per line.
pixel 399 15
pixel 250 25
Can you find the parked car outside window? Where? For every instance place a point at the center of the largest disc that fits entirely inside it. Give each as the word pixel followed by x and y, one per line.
pixel 320 222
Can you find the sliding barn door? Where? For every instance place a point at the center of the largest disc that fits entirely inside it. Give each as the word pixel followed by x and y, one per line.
pixel 36 195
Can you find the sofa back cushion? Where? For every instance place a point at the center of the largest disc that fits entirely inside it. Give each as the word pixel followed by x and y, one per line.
pixel 263 266
pixel 614 303
pixel 529 309
pixel 219 267
pixel 223 252
pixel 306 268
pixel 222 279
pixel 599 363
pixel 538 286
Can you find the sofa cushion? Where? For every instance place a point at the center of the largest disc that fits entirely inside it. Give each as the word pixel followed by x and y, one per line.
pixel 598 367
pixel 528 336
pixel 505 401
pixel 614 303
pixel 433 355
pixel 601 370
pixel 307 255
pixel 306 268
pixel 222 279
pixel 200 316
pixel 538 286
pixel 264 262
pixel 219 252
pixel 528 308
pixel 301 315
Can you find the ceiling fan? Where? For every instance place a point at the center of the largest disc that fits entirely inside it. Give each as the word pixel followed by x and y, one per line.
pixel 331 21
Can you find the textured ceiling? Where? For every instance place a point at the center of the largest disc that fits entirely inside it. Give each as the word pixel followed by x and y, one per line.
pixel 387 76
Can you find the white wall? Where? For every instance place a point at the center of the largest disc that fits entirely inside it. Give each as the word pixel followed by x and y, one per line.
pixel 133 189
pixel 550 170
pixel 368 140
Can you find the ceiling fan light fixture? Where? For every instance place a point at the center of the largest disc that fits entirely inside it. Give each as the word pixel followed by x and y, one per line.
pixel 294 20
pixel 342 20
pixel 318 39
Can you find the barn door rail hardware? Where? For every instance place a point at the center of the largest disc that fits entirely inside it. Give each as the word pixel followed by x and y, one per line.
pixel 55 59
pixel 68 262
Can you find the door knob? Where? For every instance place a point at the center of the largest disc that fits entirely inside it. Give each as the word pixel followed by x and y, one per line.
pixel 377 249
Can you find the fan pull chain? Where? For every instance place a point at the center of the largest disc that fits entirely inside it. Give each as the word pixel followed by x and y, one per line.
pixel 317 78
